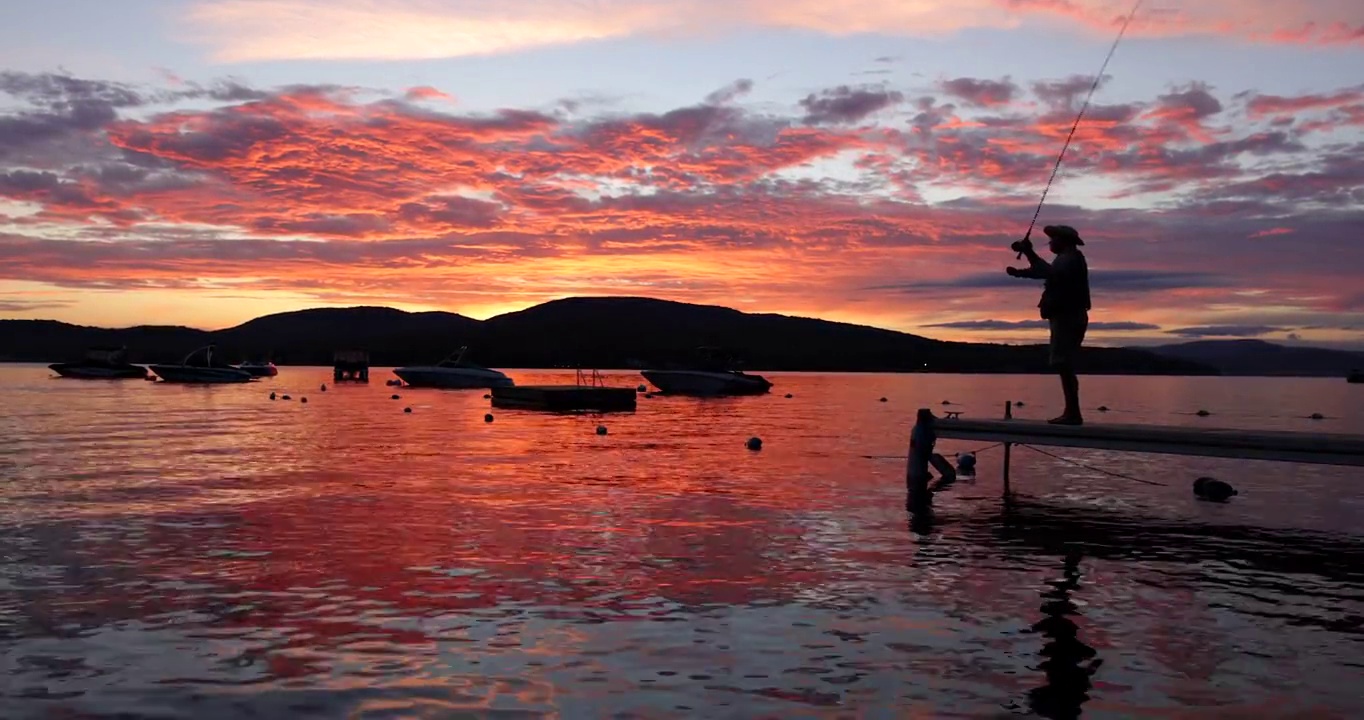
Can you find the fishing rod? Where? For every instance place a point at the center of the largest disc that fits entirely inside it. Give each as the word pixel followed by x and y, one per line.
pixel 1027 238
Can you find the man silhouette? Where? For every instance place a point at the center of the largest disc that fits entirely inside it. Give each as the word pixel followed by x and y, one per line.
pixel 1064 305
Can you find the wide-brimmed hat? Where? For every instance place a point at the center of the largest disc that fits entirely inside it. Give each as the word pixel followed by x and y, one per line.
pixel 1063 232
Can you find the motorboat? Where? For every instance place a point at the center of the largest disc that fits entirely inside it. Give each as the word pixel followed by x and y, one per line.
pixel 712 373
pixel 259 368
pixel 455 372
pixel 101 363
pixel 194 370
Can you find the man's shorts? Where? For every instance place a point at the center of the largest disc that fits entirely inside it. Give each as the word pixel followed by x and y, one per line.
pixel 1067 333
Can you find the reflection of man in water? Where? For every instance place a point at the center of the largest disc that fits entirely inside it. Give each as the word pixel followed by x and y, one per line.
pixel 1065 307
pixel 1068 680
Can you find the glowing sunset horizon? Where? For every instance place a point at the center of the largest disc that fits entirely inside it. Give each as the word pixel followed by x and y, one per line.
pixel 206 163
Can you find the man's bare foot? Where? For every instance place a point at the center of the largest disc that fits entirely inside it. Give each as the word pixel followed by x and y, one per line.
pixel 1067 420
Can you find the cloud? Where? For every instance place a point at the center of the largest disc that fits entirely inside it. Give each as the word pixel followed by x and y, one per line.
pixel 236 31
pixel 1126 281
pixel 846 104
pixel 1238 331
pixel 820 208
pixel 27 306
pixel 993 325
pixel 981 93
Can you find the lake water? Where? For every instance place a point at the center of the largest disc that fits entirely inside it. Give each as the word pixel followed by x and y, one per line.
pixel 204 552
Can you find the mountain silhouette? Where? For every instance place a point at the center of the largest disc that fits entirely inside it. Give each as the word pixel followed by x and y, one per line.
pixel 600 332
pixel 1260 358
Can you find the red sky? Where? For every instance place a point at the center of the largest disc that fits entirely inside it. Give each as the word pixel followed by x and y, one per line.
pixel 1207 212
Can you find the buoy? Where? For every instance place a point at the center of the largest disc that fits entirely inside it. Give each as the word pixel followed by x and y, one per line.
pixel 1207 488
pixel 789 396
pixel 303 400
pixel 323 388
pixel 1103 408
pixel 272 396
pixel 754 443
pixel 488 417
pixel 883 400
pixel 1317 416
pixel 601 429
pixel 487 397
pixel 1202 413
pixel 966 463
pixel 286 397
pixel 949 402
pixel 407 409
pixel 642 388
pixel 395 397
pixel 1018 404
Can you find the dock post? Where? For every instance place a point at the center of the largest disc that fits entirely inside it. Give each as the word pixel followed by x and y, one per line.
pixel 1008 447
pixel 921 442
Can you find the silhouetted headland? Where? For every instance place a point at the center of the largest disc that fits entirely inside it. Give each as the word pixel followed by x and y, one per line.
pixel 613 332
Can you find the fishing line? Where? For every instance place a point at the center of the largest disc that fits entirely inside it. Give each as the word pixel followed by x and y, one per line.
pixel 1092 88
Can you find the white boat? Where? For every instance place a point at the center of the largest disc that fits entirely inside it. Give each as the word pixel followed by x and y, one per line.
pixel 453 373
pixel 190 372
pixel 259 368
pixel 711 374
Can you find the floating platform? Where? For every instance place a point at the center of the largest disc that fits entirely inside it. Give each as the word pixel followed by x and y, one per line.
pixel 564 398
pixel 1299 447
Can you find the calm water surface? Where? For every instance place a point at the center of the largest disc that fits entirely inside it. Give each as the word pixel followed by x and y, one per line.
pixel 174 551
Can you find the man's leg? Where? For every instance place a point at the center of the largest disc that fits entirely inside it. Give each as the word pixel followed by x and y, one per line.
pixel 1066 336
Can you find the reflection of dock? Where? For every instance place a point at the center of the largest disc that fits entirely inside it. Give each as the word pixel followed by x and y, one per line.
pixel 350 366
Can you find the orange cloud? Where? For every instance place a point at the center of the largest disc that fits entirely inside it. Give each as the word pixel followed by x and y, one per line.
pixel 259 30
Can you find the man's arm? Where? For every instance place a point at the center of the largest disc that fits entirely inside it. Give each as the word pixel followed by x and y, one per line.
pixel 1039 269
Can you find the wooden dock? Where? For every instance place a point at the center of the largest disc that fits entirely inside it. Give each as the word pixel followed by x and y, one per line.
pixel 565 398
pixel 1299 447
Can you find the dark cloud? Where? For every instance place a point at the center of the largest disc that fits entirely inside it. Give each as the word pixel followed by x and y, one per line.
pixel 19 306
pixel 1037 325
pixel 1238 331
pixel 1192 101
pixel 730 92
pixel 981 93
pixel 60 91
pixel 845 104
pixel 1065 93
pixel 1126 281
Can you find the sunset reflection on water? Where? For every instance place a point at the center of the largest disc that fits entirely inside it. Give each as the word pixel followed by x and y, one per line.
pixel 207 552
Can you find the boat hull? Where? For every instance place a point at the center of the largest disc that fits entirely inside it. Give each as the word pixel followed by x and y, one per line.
pixel 99 372
pixel 452 379
pixel 268 370
pixel 201 375
pixel 706 383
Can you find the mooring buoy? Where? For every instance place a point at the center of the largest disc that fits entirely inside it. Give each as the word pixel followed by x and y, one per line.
pixel 323 388
pixel 601 429
pixel 754 443
pixel 488 418
pixel 407 409
pixel 1207 488
pixel 395 397
pixel 1103 408
pixel 1202 413
pixel 1316 416
pixel 272 396
pixel 303 400
pixel 286 397
pixel 884 400
pixel 789 396
pixel 642 388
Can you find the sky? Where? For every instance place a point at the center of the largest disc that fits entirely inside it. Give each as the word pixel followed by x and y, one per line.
pixel 204 162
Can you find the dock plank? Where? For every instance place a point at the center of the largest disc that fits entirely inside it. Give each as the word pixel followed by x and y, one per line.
pixel 1285 446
